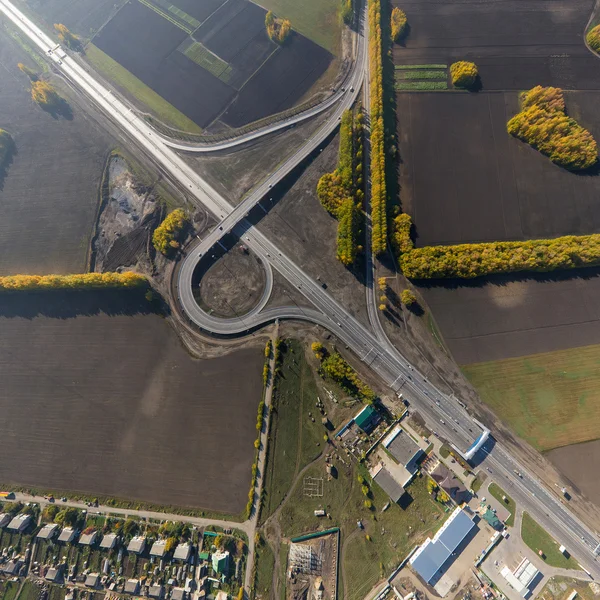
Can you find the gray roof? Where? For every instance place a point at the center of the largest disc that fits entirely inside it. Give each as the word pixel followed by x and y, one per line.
pixel 132 586
pixel 434 554
pixel 178 594
pixel 87 539
pixel 182 552
pixel 108 541
pixel 4 519
pixel 137 544
pixel 54 574
pixel 19 523
pixel 67 535
pixel 12 567
pixel 155 591
pixel 92 580
pixel 389 485
pixel 158 548
pixel 47 531
pixel 404 449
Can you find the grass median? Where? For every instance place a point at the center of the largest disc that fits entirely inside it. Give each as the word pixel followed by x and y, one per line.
pixel 497 492
pixel 537 538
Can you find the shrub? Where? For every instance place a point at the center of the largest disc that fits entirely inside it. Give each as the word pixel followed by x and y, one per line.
pixel 593 38
pixel 277 29
pixel 399 24
pixel 463 73
pixel 81 281
pixel 165 235
pixel 476 260
pixel 66 37
pixel 334 366
pixel 319 350
pixel 544 125
pixel 401 235
pixel 408 298
pixel 378 185
pixel 44 94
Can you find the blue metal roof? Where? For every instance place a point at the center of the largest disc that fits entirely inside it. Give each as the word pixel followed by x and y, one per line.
pixel 433 557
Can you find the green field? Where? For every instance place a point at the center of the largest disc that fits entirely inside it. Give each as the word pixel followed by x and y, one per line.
pixel 550 399
pixel 417 74
pixel 497 492
pixel 420 86
pixel 419 67
pixel 538 539
pixel 318 20
pixel 164 13
pixel 294 437
pixel 122 77
pixel 209 61
pixel 265 561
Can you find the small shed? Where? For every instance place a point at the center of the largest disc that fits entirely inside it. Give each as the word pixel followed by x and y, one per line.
pixel 12 567
pixel 156 591
pixel 54 574
pixel 178 593
pixel 92 580
pixel 47 532
pixel 132 586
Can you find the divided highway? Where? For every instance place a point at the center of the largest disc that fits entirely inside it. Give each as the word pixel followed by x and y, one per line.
pixel 442 413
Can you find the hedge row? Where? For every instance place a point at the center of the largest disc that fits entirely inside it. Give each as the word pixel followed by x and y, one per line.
pixel 399 24
pixel 347 11
pixel 165 235
pixel 82 281
pixel 378 186
pixel 347 232
pixel 401 238
pixel 476 260
pixel 543 124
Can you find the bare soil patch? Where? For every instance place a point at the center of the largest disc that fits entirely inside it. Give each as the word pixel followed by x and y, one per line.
pixel 49 196
pixel 113 405
pixel 515 43
pixel 464 179
pixel 233 284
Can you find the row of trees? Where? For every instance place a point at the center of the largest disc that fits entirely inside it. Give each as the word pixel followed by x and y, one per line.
pixel 464 74
pixel 165 235
pixel 347 11
pixel 401 235
pixel 399 24
pixel 378 185
pixel 476 260
pixel 128 279
pixel 277 29
pixel 593 38
pixel 334 366
pixel 543 124
pixel 6 146
pixel 341 193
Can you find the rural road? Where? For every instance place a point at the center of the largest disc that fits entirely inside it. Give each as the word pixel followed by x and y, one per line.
pixel 441 412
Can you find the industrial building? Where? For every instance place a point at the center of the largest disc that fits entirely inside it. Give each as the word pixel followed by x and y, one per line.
pixel 19 523
pixel 403 448
pixel 522 578
pixel 47 532
pixel 109 541
pixel 436 554
pixel 384 479
pixel 367 419
pixel 88 539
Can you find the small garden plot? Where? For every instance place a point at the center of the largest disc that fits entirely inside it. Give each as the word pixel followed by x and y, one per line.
pixel 421 77
pixel 206 59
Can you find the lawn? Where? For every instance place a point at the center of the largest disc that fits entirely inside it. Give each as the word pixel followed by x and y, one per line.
pixel 294 437
pixel 550 399
pixel 559 588
pixel 122 77
pixel 30 591
pixel 265 562
pixel 9 590
pixel 497 492
pixel 318 20
pixel 538 539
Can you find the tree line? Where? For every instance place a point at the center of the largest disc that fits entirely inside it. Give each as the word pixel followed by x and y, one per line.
pixel 165 236
pixel 378 185
pixel 545 126
pixel 278 30
pixel 80 281
pixel 340 192
pixel 398 24
pixel 6 146
pixel 476 260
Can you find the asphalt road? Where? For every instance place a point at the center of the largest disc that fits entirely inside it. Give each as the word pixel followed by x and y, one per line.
pixel 442 413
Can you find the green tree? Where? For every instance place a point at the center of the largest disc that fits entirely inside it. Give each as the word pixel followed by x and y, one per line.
pixel 399 24
pixel 66 37
pixel 130 527
pixel 67 517
pixel 165 236
pixel 463 74
pixel 408 298
pixel 593 38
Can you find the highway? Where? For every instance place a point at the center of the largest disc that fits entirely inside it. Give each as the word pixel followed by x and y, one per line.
pixel 442 413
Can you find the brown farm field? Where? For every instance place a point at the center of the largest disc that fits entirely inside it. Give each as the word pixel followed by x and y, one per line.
pixel 464 179
pixel 49 195
pixel 515 43
pixel 99 398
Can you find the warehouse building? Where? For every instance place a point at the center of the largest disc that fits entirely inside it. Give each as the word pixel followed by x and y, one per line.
pixel 436 554
pixel 367 419
pixel 403 448
pixel 523 578
pixel 19 523
pixel 384 479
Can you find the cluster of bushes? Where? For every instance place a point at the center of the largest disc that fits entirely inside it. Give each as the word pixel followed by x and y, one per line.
pixel 463 74
pixel 347 11
pixel 593 38
pixel 399 24
pixel 401 238
pixel 278 30
pixel 378 186
pixel 81 281
pixel 33 76
pixel 66 37
pixel 543 124
pixel 439 494
pixel 340 192
pixel 44 94
pixel 165 235
pixel 266 369
pixel 6 146
pixel 335 367
pixel 476 260
pixel 408 298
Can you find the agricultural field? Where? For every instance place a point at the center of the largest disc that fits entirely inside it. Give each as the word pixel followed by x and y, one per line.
pixel 109 380
pixel 515 43
pixel 207 60
pixel 48 199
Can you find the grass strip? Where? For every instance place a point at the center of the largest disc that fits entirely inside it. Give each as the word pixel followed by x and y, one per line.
pixel 410 67
pixel 538 539
pixel 203 57
pixel 411 86
pixel 166 16
pixel 194 23
pixel 497 492
pixel 404 75
pixel 123 78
